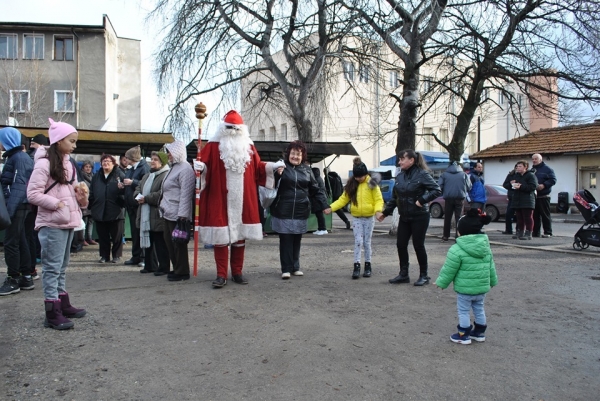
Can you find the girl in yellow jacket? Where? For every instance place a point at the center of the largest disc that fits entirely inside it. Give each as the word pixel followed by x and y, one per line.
pixel 363 193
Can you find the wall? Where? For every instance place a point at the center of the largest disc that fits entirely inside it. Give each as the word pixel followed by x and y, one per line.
pixel 129 108
pixel 92 77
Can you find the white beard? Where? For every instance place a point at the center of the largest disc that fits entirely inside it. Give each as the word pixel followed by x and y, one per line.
pixel 235 151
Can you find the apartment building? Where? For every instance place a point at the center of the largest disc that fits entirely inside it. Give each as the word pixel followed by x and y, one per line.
pixel 84 75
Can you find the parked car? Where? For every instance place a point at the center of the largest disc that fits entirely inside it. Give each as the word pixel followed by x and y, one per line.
pixel 497 202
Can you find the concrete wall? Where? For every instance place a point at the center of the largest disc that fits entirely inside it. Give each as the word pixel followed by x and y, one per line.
pixel 92 76
pixel 129 107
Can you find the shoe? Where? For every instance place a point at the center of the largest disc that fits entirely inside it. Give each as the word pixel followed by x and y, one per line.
pixel 144 271
pixel 320 232
pixel 239 279
pixel 132 262
pixel 116 260
pixel 220 282
pixel 518 234
pixel 69 310
pixel 356 271
pixel 178 277
pixel 462 337
pixel 526 235
pixel 92 242
pixel 546 235
pixel 348 225
pixel 297 273
pixel 535 235
pixel 423 280
pixel 367 272
pixel 102 260
pixel 444 239
pixel 265 235
pixel 10 286
pixel 85 243
pixel 160 273
pixel 285 276
pixel 507 232
pixel 54 316
pixel 26 283
pixel 478 332
pixel 35 275
pixel 402 277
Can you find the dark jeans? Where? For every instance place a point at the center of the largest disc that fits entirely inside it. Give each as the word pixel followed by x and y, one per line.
pixel 136 250
pixel 110 235
pixel 452 206
pixel 542 217
pixel 89 227
pixel 415 227
pixel 524 219
pixel 321 226
pixel 510 215
pixel 157 256
pixel 32 239
pixel 178 252
pixel 289 252
pixel 16 251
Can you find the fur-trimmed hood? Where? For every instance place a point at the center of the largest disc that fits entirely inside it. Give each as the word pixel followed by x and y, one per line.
pixel 374 180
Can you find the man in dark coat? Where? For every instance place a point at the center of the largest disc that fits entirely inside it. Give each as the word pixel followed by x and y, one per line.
pixel 455 186
pixel 546 180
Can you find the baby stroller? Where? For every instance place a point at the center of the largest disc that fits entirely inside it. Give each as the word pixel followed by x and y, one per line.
pixel 589 233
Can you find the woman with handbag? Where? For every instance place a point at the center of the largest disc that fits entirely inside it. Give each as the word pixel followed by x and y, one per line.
pixel 53 187
pixel 176 209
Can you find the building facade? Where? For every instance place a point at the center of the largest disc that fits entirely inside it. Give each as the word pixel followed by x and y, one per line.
pixel 84 75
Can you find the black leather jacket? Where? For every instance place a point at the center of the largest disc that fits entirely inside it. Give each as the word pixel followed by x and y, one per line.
pixel 298 188
pixel 412 185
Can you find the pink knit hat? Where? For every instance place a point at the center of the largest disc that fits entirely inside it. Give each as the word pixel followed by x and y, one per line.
pixel 59 130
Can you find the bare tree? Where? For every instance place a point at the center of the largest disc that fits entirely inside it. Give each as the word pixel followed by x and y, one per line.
pixel 211 45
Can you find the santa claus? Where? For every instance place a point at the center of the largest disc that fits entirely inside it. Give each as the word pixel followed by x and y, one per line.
pixel 231 170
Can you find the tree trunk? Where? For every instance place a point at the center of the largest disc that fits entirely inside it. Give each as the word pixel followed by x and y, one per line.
pixel 409 106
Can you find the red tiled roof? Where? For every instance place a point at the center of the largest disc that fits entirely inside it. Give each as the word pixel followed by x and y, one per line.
pixel 573 139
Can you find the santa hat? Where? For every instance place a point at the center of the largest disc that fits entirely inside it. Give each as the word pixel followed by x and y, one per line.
pixel 59 130
pixel 233 117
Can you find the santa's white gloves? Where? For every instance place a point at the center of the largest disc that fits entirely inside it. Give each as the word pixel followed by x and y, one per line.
pixel 199 166
pixel 278 164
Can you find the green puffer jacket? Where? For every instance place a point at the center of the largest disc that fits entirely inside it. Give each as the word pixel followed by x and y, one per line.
pixel 470 265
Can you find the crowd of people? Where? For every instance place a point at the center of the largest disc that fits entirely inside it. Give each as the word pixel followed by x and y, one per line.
pixel 59 201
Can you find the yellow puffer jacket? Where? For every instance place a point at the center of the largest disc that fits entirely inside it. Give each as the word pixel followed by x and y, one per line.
pixel 368 197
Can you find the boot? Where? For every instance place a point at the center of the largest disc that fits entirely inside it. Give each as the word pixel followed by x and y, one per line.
pixel 478 333
pixel 222 261
pixel 356 272
pixel 367 272
pixel 237 262
pixel 54 316
pixel 463 335
pixel 69 310
pixel 526 235
pixel 423 280
pixel 518 234
pixel 402 277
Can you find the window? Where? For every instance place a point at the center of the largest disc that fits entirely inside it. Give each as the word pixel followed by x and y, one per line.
pixel 33 47
pixel 444 136
pixel 427 138
pixel 394 79
pixel 471 142
pixel 272 134
pixel 364 74
pixel 19 101
pixel 284 136
pixel 427 84
pixel 63 48
pixel 64 101
pixel 520 99
pixel 349 71
pixel 485 94
pixel 261 135
pixel 501 98
pixel 8 47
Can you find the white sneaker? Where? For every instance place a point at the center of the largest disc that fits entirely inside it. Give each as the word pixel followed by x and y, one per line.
pixel 297 273
pixel 320 232
pixel 286 276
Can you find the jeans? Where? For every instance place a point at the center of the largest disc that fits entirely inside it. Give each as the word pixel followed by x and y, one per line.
pixel 452 206
pixel 321 226
pixel 56 244
pixel 464 303
pixel 136 250
pixel 16 251
pixel 363 231
pixel 415 227
pixel 542 217
pixel 510 214
pixel 289 252
pixel 89 227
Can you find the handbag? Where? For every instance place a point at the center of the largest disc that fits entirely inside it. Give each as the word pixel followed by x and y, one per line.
pixel 181 232
pixel 267 195
pixel 4 216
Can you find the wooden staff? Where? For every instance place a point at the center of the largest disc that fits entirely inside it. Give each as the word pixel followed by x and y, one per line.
pixel 200 110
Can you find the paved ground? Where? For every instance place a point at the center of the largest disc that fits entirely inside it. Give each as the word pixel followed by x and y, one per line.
pixel 319 337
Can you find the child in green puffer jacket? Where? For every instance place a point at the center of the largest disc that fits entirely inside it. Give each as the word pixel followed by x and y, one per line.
pixel 470 266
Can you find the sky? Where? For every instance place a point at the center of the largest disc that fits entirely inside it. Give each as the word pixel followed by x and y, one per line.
pixel 127 18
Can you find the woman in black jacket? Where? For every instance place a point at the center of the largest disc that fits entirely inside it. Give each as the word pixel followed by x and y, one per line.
pixel 523 199
pixel 106 203
pixel 413 190
pixel 510 211
pixel 290 210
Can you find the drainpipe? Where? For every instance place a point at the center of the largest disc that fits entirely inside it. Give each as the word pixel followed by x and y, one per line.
pixel 77 78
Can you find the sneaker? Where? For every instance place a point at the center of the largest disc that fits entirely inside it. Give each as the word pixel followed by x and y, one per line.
pixel 26 283
pixel 462 337
pixel 444 239
pixel 116 260
pixel 11 286
pixel 286 276
pixel 142 264
pixel 546 235
pixel 320 232
pixel 219 282
pixel 35 275
pixel 297 273
pixel 102 260
pixel 239 279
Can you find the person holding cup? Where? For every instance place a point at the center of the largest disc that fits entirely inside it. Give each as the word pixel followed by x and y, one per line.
pixel 523 200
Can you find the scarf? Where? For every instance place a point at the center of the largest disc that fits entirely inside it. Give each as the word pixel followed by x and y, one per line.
pixel 145 215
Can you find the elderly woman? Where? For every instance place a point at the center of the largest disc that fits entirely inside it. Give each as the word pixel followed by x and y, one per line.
pixel 106 204
pixel 523 199
pixel 176 204
pixel 298 190
pixel 148 219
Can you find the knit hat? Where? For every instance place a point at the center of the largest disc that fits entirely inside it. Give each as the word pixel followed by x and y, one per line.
pixel 233 117
pixel 40 139
pixel 359 169
pixel 134 154
pixel 472 222
pixel 164 159
pixel 59 130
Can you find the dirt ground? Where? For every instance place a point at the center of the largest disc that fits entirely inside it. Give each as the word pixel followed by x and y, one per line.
pixel 323 336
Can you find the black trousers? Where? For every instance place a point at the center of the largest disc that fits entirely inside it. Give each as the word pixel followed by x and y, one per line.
pixel 157 256
pixel 342 216
pixel 542 217
pixel 178 252
pixel 110 238
pixel 415 227
pixel 510 215
pixel 32 239
pixel 289 252
pixel 452 207
pixel 321 226
pixel 16 251
pixel 136 250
